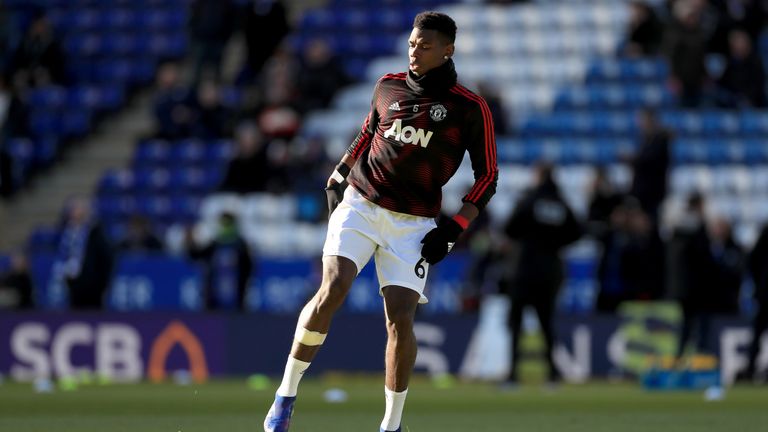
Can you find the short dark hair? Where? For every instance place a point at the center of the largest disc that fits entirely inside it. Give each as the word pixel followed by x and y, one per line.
pixel 437 21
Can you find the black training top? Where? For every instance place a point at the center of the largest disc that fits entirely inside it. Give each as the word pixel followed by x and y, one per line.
pixel 414 139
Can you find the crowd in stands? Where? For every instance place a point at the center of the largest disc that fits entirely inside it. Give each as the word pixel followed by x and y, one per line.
pixel 711 47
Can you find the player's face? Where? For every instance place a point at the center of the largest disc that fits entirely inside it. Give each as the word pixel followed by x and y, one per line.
pixel 427 49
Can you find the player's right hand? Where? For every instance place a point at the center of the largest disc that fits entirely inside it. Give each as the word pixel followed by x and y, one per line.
pixel 333 195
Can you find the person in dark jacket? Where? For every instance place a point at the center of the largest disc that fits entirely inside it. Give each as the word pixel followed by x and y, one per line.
pixel 632 262
pixel 714 265
pixel 742 84
pixel 542 224
pixel 650 165
pixel 685 47
pixel 249 170
pixel 229 265
pixel 758 268
pixel 139 237
pixel 16 288
pixel 210 26
pixel 644 32
pixel 39 59
pixel 84 260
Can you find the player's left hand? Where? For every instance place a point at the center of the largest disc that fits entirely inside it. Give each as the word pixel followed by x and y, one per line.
pixel 438 242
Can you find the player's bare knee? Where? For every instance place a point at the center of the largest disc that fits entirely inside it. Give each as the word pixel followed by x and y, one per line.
pixel 399 323
pixel 330 296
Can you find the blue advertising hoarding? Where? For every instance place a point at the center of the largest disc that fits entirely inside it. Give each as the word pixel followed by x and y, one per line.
pixel 152 345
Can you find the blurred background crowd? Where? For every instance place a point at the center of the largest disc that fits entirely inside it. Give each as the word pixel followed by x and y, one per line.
pixel 204 130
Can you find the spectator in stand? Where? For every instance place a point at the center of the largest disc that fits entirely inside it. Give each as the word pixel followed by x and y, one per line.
pixel 650 165
pixel 279 76
pixel 685 47
pixel 7 33
pixel 265 25
pixel 603 200
pixel 210 26
pixel 686 227
pixel 632 263
pixel 725 273
pixel 39 59
pixel 645 31
pixel 320 76
pixel 643 256
pixel 742 84
pixel 13 123
pixel 13 111
pixel 612 290
pixel 139 237
pixel 746 15
pixel 714 265
pixel 84 259
pixel 7 180
pixel 249 170
pixel 491 95
pixel 171 105
pixel 229 265
pixel 211 118
pixel 278 117
pixel 542 224
pixel 16 285
pixel 758 267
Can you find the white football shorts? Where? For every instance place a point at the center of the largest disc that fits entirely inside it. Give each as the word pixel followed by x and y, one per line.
pixel 359 229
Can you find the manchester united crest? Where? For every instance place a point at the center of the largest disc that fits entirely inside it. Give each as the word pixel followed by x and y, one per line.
pixel 438 112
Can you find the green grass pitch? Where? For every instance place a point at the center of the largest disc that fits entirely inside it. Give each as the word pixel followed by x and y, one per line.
pixel 232 406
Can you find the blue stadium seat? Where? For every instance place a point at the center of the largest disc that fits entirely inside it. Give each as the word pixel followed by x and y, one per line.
pixel 184 208
pixel 106 97
pixel 161 19
pixel 231 97
pixel 219 151
pixel 318 20
pixel 152 180
pixel 156 208
pixel 755 152
pixel 689 151
pixel 116 207
pixel 43 238
pixel 48 97
pixel 45 150
pixel 129 70
pixel 188 152
pixel 185 179
pixel 754 122
pixel 152 152
pixel 84 44
pixel 117 182
pixel 119 19
pixel 121 45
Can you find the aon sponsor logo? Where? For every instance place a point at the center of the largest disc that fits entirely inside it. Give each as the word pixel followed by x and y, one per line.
pixel 408 134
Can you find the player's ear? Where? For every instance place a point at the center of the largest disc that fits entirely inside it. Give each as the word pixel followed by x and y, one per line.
pixel 449 51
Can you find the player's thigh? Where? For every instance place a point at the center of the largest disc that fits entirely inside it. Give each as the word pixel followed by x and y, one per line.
pixel 350 234
pixel 399 262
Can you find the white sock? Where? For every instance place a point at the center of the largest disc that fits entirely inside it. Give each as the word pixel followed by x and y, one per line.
pixel 294 370
pixel 394 410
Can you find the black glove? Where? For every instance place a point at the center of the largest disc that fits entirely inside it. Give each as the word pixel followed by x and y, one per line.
pixel 333 194
pixel 438 242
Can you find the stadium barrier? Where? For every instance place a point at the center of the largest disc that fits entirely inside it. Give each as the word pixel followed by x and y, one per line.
pixel 134 346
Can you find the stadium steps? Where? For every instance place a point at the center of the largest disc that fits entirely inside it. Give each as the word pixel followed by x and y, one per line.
pixel 110 146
